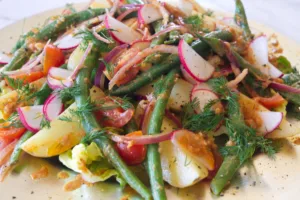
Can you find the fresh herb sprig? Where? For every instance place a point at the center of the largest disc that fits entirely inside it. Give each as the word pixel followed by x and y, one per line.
pixel 244 137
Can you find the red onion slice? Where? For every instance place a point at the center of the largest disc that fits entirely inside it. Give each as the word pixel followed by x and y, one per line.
pixel 167 30
pixel 284 88
pixel 4 59
pixel 127 12
pixel 142 140
pixel 173 118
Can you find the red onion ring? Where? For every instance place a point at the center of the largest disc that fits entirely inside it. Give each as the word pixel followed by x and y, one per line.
pixel 284 88
pixel 99 37
pixel 108 58
pixel 146 117
pixel 127 12
pixel 81 63
pixel 142 140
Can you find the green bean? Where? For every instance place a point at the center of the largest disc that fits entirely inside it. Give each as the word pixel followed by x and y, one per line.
pixel 241 20
pixel 226 172
pixel 21 41
pixel 155 122
pixel 90 125
pixel 19 58
pixel 148 76
pixel 158 26
pixel 52 30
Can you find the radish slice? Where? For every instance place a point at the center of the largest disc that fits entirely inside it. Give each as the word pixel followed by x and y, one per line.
pixel 187 76
pixel 258 49
pixel 53 107
pixel 201 86
pixel 204 97
pixel 198 68
pixel 59 73
pixel 141 45
pixel 58 84
pixel 149 13
pixel 31 117
pixel 68 42
pixel 4 59
pixel 271 121
pixel 121 32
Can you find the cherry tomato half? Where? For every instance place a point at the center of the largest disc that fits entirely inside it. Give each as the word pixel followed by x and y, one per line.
pixel 54 57
pixel 132 154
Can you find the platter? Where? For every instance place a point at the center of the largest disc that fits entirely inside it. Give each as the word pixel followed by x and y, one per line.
pixel 263 178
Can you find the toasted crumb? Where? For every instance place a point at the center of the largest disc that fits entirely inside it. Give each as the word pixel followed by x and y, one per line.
pixel 41 173
pixel 63 175
pixel 295 139
pixel 74 184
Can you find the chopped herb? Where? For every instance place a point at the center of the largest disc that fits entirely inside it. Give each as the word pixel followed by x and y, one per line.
pixel 65 118
pixel 124 102
pixel 93 135
pixel 69 92
pixel 195 21
pixel 109 67
pixel 45 123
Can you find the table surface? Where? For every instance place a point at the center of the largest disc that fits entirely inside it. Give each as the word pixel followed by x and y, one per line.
pixel 278 14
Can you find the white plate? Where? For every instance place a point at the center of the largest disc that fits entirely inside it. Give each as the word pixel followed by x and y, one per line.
pixel 261 179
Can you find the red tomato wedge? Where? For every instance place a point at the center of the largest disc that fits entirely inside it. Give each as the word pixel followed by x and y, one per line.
pixel 29 77
pixel 116 117
pixel 271 102
pixel 6 152
pixel 132 154
pixel 54 57
pixel 11 133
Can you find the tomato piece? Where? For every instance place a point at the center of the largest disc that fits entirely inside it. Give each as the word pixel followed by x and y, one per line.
pixel 29 77
pixel 54 57
pixel 271 102
pixel 11 133
pixel 132 154
pixel 6 152
pixel 116 117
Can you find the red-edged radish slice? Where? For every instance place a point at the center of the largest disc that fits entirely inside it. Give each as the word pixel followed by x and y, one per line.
pixel 201 86
pixel 68 42
pixel 198 68
pixel 204 97
pixel 58 84
pixel 195 146
pixel 121 32
pixel 53 107
pixel 31 117
pixel 59 73
pixel 141 44
pixel 271 121
pixel 149 13
pixel 258 49
pixel 187 76
pixel 4 59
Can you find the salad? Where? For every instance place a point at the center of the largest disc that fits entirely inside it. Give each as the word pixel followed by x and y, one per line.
pixel 170 88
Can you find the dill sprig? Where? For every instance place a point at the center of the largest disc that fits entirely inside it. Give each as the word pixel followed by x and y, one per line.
pixel 87 37
pixel 23 88
pixel 45 123
pixel 69 92
pixel 124 102
pixel 88 138
pixel 205 121
pixel 109 67
pixel 65 118
pixel 244 137
pixel 12 121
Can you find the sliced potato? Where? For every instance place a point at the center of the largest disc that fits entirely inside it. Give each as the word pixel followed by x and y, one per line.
pixel 60 137
pixel 179 169
pixel 180 95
